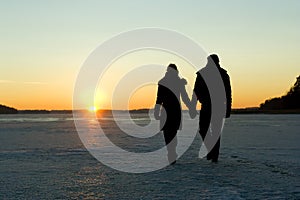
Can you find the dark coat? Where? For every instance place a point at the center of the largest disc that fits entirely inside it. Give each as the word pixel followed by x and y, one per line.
pixel 202 92
pixel 170 88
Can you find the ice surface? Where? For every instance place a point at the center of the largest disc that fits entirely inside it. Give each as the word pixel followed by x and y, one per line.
pixel 42 157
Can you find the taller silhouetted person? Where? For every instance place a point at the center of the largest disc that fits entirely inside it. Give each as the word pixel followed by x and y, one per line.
pixel 170 88
pixel 201 93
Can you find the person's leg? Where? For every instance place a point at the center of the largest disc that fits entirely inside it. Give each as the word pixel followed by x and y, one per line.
pixel 203 128
pixel 204 124
pixel 216 136
pixel 172 155
pixel 171 142
pixel 214 153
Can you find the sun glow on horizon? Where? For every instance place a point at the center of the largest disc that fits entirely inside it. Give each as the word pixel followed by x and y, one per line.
pixel 93 109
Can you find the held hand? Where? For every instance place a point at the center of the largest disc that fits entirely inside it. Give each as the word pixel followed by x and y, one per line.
pixel 156 112
pixel 192 107
pixel 193 113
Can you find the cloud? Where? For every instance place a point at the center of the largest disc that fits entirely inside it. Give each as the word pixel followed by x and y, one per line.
pixel 35 83
pixel 25 82
pixel 7 81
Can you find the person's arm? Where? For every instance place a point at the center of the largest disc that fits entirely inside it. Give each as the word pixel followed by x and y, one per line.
pixel 196 94
pixel 228 96
pixel 158 104
pixel 199 87
pixel 184 95
pixel 194 101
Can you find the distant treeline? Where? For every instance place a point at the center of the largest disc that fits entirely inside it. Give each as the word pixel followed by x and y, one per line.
pixel 10 110
pixel 289 101
pixel 45 111
pixel 7 110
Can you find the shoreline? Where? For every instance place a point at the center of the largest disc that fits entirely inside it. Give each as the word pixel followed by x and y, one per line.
pixel 137 111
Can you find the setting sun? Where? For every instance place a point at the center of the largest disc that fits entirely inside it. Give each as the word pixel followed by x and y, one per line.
pixel 93 109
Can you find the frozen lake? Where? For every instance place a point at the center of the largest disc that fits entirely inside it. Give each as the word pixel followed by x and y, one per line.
pixel 42 157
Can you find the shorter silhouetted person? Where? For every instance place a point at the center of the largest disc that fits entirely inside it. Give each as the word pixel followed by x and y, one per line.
pixel 201 93
pixel 168 109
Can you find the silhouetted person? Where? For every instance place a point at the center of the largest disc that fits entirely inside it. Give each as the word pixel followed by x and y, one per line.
pixel 202 95
pixel 170 88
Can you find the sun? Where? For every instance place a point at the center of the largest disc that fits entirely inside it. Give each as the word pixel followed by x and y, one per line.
pixel 93 109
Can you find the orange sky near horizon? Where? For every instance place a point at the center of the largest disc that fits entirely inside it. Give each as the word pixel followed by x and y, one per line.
pixel 42 53
pixel 59 96
pixel 52 89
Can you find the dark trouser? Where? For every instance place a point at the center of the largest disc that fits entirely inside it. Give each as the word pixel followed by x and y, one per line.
pixel 212 146
pixel 171 142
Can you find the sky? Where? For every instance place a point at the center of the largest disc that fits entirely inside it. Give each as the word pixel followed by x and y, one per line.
pixel 45 43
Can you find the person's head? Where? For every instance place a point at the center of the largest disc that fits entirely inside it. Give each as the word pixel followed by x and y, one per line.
pixel 214 59
pixel 172 68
